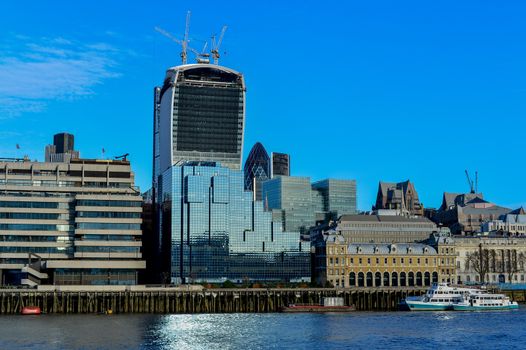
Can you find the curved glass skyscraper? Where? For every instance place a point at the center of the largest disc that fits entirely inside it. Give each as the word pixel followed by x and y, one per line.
pixel 257 169
pixel 201 116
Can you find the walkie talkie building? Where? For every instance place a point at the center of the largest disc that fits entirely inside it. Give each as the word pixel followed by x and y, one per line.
pixel 201 116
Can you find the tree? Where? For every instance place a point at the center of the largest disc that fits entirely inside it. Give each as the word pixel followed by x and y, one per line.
pixel 514 264
pixel 479 261
pixel 228 284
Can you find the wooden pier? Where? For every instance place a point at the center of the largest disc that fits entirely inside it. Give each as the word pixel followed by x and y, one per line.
pixel 174 301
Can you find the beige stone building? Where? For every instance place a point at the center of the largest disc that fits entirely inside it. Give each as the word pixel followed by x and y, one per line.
pixel 490 259
pixel 380 264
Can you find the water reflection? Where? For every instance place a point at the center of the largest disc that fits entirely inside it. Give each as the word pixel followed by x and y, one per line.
pixel 266 331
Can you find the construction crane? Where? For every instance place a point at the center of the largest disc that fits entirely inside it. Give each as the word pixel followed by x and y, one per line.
pixel 124 157
pixel 473 185
pixel 202 57
pixel 217 44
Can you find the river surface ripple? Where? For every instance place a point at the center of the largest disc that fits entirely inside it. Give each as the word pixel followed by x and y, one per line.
pixel 360 330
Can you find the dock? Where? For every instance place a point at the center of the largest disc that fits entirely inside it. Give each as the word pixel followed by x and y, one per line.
pixel 183 300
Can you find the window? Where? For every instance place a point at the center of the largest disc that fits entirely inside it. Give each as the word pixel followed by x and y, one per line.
pixel 369 261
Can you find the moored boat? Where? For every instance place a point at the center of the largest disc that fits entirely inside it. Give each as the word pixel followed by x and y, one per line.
pixel 440 297
pixel 486 301
pixel 31 310
pixel 330 304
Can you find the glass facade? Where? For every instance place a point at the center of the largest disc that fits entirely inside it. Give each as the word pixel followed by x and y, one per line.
pixel 338 196
pixel 280 164
pixel 200 116
pixel 219 232
pixel 293 195
pixel 302 204
pixel 257 169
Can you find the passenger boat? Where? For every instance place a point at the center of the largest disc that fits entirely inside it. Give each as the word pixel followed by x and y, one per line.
pixel 31 310
pixel 440 297
pixel 330 304
pixel 485 301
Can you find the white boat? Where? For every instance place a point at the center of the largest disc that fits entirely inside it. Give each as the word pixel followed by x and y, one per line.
pixel 440 297
pixel 485 301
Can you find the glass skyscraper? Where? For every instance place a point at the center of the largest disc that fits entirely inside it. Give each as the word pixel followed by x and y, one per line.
pixel 219 232
pixel 257 169
pixel 301 204
pixel 338 196
pixel 292 195
pixel 199 115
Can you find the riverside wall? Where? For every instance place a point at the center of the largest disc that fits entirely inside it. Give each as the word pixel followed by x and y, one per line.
pixel 82 300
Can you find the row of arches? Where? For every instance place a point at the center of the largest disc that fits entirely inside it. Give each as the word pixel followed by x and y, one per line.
pixel 394 279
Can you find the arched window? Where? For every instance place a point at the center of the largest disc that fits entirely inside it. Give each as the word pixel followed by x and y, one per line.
pixel 411 279
pixel 369 279
pixel 435 277
pixel 419 279
pixel 427 279
pixel 403 281
pixel 352 279
pixel 394 279
pixel 378 279
pixel 360 279
pixel 386 279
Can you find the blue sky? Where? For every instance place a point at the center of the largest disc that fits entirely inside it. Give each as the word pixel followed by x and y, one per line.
pixel 370 90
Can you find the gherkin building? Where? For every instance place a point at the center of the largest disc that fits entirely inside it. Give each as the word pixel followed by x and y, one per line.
pixel 257 169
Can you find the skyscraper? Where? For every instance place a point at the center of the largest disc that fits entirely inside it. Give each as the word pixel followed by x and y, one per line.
pixel 62 150
pixel 300 205
pixel 201 116
pixel 280 164
pixel 257 169
pixel 217 231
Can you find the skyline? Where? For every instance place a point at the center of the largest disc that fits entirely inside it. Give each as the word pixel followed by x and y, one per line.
pixel 106 69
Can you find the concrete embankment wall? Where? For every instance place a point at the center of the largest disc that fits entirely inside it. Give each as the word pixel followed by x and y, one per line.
pixel 79 299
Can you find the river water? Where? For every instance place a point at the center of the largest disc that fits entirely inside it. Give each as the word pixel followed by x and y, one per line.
pixel 360 330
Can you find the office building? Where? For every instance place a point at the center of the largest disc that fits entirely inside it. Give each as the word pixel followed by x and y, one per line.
pixel 69 223
pixel 280 164
pixel 199 115
pixel 511 224
pixel 290 198
pixel 62 150
pixel 465 213
pixel 337 197
pixel 215 231
pixel 491 259
pixel 383 228
pixel 401 196
pixel 301 204
pixel 257 169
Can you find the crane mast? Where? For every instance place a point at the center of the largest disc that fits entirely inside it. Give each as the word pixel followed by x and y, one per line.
pixel 203 56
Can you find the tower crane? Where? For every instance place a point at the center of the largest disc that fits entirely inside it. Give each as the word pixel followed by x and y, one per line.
pixel 202 57
pixel 473 185
pixel 217 45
